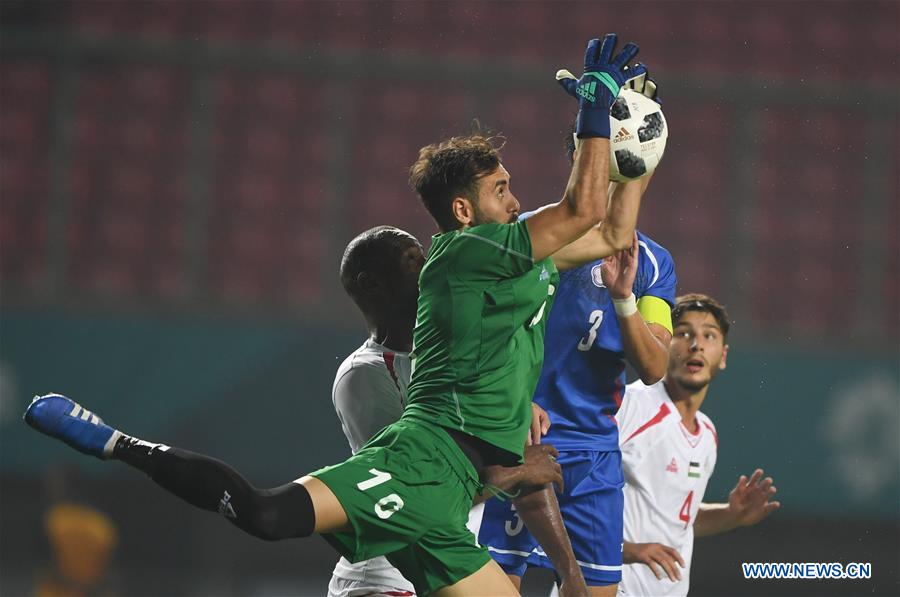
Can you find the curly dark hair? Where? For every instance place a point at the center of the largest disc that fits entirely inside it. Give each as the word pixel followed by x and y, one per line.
pixel 450 169
pixel 701 302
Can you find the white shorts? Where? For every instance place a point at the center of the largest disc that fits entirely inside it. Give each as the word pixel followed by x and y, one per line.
pixel 342 587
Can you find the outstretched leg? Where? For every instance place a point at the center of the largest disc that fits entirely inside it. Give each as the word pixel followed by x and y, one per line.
pixel 296 509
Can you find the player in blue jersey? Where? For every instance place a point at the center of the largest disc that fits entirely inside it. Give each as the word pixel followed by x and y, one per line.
pixel 605 312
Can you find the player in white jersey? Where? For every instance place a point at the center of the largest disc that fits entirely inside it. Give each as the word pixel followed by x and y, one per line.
pixel 379 271
pixel 669 453
pixel 369 393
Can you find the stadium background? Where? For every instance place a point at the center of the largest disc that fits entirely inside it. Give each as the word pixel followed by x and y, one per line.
pixel 178 179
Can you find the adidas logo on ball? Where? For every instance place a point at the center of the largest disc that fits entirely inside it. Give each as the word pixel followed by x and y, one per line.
pixel 623 135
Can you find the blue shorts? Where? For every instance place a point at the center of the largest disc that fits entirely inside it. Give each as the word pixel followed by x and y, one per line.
pixel 592 508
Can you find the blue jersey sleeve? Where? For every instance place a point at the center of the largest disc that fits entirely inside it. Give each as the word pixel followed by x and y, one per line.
pixel 656 271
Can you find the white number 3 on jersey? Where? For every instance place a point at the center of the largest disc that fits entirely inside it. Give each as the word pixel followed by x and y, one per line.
pixel 595 319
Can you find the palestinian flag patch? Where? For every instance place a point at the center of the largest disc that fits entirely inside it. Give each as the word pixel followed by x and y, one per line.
pixel 694 470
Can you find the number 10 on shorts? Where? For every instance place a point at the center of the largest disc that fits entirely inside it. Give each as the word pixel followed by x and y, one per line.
pixel 386 506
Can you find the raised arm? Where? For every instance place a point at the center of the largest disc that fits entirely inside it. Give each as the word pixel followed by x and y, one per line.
pixel 583 205
pixel 645 324
pixel 748 504
pixel 584 202
pixel 613 234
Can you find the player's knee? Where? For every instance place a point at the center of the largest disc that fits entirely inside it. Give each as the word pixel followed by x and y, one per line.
pixel 280 513
pixel 263 520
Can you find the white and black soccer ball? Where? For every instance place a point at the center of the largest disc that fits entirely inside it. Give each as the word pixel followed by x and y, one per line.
pixel 637 136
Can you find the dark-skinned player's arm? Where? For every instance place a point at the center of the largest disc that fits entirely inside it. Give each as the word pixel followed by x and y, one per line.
pixel 530 486
pixel 539 510
pixel 584 202
pixel 540 468
pixel 536 504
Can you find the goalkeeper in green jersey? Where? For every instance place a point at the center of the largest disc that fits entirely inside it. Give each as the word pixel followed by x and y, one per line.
pixel 485 290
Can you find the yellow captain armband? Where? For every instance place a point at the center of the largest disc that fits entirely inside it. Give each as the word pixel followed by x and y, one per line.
pixel 655 310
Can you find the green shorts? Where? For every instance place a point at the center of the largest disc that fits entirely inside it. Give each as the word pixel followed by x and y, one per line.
pixel 407 494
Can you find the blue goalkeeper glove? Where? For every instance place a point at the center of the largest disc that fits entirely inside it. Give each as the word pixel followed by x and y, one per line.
pixel 598 87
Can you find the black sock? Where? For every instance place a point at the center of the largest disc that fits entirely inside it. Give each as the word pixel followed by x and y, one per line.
pixel 212 485
pixel 136 452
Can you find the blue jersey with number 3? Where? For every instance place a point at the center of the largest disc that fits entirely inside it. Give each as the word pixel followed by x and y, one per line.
pixel 583 378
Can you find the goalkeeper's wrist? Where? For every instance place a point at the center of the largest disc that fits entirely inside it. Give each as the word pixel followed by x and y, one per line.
pixel 591 123
pixel 625 307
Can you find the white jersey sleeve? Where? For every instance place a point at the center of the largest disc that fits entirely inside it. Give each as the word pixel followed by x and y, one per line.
pixel 667 466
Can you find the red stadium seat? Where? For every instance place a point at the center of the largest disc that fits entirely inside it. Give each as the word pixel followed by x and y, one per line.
pixel 110 276
pixel 291 23
pixel 164 20
pixel 127 175
pixel 153 87
pixel 699 271
pixel 25 138
pixel 96 18
pixel 168 279
pixel 224 21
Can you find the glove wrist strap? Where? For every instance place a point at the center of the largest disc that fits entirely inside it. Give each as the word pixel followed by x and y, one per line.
pixel 592 122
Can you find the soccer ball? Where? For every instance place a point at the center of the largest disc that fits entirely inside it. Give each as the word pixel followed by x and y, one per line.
pixel 638 134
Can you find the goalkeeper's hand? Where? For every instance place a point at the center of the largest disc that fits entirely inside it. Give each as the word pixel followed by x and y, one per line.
pixel 643 84
pixel 596 90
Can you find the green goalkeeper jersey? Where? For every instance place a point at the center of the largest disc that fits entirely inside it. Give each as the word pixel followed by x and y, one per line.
pixel 478 344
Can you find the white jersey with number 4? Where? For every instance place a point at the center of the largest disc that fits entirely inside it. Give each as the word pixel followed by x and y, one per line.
pixel 667 467
pixel 369 393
